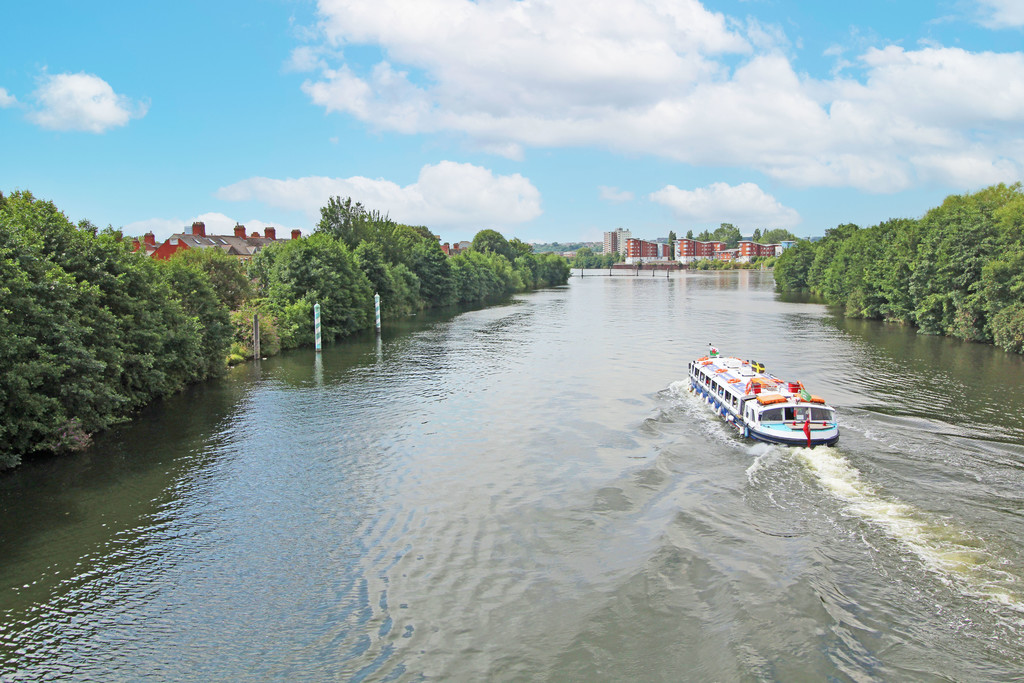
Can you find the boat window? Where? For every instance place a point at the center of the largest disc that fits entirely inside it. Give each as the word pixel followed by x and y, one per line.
pixel 773 415
pixel 821 415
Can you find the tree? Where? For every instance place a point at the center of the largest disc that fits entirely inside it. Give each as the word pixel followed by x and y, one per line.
pixel 191 286
pixel 321 269
pixel 728 233
pixel 226 274
pixel 689 234
pixel 345 221
pixel 792 267
pixel 493 242
pixel 520 248
pixel 88 330
pixel 757 235
pixel 585 258
pixel 434 271
pixel 777 235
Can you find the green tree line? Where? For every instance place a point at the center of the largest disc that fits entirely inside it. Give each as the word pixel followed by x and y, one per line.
pixel 588 258
pixel 91 331
pixel 957 271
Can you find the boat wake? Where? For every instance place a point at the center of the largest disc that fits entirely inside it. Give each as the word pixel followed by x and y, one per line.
pixel 951 553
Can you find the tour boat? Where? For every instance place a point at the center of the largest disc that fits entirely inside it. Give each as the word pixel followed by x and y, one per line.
pixel 760 405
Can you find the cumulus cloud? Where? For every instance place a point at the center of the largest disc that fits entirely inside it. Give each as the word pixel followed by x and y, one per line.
pixel 743 204
pixel 673 80
pixel 1001 13
pixel 6 99
pixel 446 194
pixel 216 224
pixel 614 194
pixel 82 102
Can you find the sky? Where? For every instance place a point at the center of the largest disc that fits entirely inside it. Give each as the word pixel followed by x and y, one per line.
pixel 547 120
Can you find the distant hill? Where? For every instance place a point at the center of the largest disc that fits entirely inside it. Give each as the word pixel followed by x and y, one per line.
pixel 559 247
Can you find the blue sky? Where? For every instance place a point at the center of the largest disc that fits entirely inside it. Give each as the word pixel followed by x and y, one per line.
pixel 548 120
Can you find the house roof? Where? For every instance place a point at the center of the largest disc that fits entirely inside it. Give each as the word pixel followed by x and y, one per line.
pixel 236 246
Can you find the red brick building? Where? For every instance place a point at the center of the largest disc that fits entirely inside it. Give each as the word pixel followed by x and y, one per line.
pixel 639 251
pixel 239 244
pixel 750 250
pixel 689 250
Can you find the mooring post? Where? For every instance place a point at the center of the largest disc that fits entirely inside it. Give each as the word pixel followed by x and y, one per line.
pixel 376 309
pixel 255 336
pixel 316 326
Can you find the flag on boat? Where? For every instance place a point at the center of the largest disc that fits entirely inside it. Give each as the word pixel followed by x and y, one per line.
pixel 757 367
pixel 712 351
pixel 805 395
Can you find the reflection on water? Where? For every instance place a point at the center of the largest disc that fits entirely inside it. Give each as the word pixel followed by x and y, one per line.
pixel 529 492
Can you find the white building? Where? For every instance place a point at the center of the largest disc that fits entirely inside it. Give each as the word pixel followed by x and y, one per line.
pixel 616 241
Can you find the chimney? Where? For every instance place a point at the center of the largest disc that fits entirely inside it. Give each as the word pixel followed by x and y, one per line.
pixel 135 244
pixel 199 229
pixel 239 230
pixel 149 239
pixel 296 234
pixel 255 234
pixel 270 233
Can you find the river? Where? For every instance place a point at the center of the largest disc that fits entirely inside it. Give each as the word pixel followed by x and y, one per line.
pixel 528 492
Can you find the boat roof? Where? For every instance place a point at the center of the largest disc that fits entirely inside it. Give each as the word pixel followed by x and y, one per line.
pixel 740 376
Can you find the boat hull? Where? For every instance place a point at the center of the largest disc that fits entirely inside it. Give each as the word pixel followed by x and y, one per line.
pixel 776 435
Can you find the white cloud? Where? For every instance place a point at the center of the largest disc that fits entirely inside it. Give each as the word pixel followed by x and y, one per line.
pixel 658 78
pixel 745 204
pixel 614 194
pixel 305 58
pixel 6 99
pixel 82 102
pixel 446 194
pixel 1001 13
pixel 216 224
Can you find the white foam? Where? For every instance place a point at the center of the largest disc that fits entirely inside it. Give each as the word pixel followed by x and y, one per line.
pixel 765 456
pixel 943 548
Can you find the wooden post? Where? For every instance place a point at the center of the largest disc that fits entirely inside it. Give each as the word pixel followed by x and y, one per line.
pixel 255 336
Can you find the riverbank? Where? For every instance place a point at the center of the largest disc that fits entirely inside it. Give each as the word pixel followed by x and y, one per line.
pixel 957 271
pixel 93 329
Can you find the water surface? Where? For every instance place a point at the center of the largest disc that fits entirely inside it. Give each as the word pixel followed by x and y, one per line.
pixel 528 492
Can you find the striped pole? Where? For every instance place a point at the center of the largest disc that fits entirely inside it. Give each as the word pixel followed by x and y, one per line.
pixel 255 336
pixel 376 309
pixel 316 325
